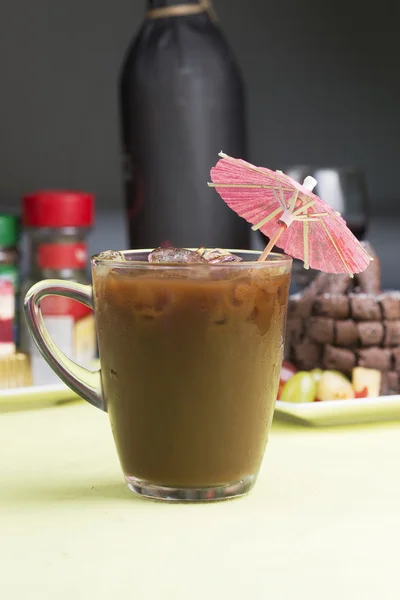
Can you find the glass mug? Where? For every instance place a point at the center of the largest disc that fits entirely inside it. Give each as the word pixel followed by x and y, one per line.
pixel 190 359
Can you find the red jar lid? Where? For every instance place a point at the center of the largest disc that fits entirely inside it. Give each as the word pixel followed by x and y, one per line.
pixel 50 208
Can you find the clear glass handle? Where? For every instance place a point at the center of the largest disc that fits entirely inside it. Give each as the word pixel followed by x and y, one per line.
pixel 85 383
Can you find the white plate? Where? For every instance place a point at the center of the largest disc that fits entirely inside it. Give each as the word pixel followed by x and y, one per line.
pixel 40 396
pixel 334 412
pixel 340 412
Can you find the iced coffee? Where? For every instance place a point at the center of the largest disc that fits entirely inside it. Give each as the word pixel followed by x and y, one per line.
pixel 191 350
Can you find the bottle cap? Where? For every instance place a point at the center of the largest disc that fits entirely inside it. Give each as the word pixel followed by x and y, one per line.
pixel 53 208
pixel 9 231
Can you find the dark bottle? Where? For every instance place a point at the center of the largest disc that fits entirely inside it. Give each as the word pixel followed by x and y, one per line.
pixel 181 101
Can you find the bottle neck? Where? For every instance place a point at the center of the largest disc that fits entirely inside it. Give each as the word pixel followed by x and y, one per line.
pixel 161 9
pixel 164 3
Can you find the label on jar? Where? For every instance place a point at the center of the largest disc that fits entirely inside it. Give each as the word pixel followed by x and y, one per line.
pixel 62 256
pixel 7 314
pixel 72 328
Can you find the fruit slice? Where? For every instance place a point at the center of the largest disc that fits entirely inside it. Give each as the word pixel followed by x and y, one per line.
pixel 367 378
pixel 317 374
pixel 334 386
pixel 300 388
pixel 287 371
pixel 362 394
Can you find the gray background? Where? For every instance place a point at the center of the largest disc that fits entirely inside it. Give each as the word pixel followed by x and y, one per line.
pixel 323 84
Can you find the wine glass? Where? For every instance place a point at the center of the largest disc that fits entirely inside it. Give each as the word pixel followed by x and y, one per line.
pixel 345 190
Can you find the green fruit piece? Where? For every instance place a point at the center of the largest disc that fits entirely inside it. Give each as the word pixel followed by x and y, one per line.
pixel 300 388
pixel 334 386
pixel 316 374
pixel 338 374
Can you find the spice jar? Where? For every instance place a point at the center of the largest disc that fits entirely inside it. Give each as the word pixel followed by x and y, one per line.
pixel 9 233
pixel 57 223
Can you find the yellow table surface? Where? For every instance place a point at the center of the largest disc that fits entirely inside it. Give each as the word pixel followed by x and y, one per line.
pixel 322 523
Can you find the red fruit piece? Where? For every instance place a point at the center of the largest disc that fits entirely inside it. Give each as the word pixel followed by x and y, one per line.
pixel 287 371
pixel 362 393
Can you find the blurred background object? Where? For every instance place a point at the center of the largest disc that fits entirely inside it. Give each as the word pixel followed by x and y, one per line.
pixel 344 189
pixel 181 101
pixel 9 283
pixel 15 371
pixel 56 224
pixel 330 98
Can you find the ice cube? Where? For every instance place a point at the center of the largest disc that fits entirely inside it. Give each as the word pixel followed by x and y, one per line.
pixel 218 255
pixel 174 256
pixel 242 298
pixel 110 255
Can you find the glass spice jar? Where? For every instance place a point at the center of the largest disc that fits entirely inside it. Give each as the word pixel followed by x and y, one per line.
pixel 9 283
pixel 57 223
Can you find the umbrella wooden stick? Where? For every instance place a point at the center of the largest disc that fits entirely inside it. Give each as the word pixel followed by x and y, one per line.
pixel 308 183
pixel 279 230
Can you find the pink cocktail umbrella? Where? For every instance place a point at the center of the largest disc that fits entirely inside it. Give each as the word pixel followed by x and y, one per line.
pixel 288 212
